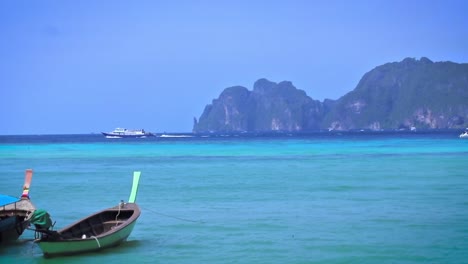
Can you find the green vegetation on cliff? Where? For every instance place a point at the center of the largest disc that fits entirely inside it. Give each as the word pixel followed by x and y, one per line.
pixel 410 93
pixel 270 106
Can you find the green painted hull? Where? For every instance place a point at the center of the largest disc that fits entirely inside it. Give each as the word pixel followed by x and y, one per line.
pixel 104 229
pixel 76 246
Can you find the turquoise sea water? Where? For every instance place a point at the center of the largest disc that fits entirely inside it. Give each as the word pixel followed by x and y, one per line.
pixel 318 198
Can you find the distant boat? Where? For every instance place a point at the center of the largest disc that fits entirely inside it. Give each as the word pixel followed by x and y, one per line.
pixel 127 133
pixel 464 135
pixel 104 229
pixel 15 212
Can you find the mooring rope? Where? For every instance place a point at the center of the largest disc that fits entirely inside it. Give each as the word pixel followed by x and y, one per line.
pixel 118 213
pixel 99 245
pixel 175 217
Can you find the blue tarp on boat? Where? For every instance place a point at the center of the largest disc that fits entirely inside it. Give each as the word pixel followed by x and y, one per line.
pixel 5 199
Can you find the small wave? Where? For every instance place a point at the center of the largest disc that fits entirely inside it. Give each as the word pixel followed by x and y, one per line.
pixel 175 136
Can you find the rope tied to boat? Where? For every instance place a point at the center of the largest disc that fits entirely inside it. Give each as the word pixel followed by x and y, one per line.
pixel 97 240
pixel 121 204
pixel 25 193
pixel 175 217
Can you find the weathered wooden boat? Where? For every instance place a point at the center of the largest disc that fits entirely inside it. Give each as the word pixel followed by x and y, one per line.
pixel 104 229
pixel 15 212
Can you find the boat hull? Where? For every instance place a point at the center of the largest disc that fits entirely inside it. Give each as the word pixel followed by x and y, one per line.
pixel 14 220
pixel 90 244
pixel 11 229
pixel 112 135
pixel 104 229
pixel 127 133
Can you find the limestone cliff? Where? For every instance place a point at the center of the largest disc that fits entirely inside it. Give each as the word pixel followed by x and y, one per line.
pixel 410 93
pixel 398 95
pixel 269 107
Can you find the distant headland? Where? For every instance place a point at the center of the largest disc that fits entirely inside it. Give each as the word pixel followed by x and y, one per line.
pixel 406 95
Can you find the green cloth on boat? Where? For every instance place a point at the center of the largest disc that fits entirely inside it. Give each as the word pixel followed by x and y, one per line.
pixel 41 219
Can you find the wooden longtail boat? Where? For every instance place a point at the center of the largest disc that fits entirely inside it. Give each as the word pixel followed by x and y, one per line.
pixel 101 230
pixel 15 212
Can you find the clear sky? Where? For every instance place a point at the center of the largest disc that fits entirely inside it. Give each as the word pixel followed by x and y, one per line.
pixel 91 65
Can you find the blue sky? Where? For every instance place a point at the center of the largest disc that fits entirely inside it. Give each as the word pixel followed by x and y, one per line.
pixel 91 66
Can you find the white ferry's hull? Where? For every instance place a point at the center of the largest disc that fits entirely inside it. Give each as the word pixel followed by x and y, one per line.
pixel 111 135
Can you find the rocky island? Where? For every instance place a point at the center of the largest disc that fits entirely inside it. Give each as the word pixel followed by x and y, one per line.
pixel 409 94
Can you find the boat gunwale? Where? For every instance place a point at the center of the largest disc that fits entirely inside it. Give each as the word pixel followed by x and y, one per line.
pixel 125 222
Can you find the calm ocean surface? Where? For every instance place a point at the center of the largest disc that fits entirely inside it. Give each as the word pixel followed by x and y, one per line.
pixel 317 198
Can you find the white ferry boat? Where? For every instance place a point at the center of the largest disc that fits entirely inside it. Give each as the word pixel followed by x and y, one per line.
pixel 127 133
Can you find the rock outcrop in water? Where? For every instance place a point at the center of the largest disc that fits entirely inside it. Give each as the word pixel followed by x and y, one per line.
pixel 399 95
pixel 270 106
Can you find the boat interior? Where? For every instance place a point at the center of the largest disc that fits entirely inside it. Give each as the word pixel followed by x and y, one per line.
pixel 97 224
pixel 92 226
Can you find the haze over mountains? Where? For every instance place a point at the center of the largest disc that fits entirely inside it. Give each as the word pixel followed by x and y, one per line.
pixel 400 95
